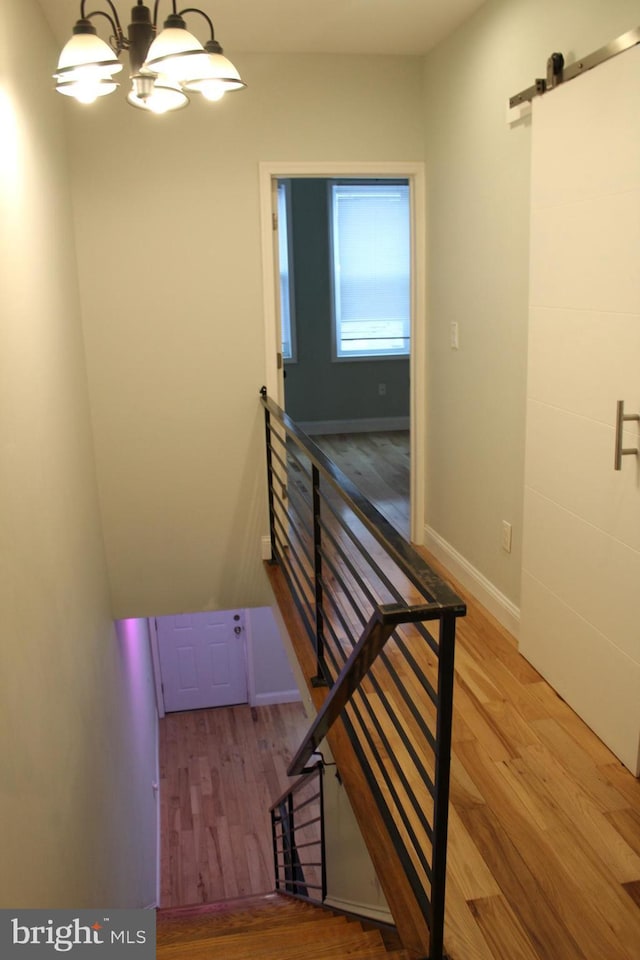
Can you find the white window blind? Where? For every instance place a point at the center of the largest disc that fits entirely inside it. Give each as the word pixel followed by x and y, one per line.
pixel 371 240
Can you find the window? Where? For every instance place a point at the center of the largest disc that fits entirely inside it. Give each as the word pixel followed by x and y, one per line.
pixel 371 266
pixel 286 270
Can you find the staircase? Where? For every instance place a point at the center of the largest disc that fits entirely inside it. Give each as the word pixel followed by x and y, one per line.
pixel 271 927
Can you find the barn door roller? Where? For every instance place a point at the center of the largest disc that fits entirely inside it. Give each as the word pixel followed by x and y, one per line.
pixel 558 73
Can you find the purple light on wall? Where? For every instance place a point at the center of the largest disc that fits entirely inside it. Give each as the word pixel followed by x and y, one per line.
pixel 133 642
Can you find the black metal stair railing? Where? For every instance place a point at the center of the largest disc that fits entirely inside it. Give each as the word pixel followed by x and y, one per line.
pixel 382 624
pixel 297 833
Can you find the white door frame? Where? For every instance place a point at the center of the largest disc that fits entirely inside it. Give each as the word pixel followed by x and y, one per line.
pixel 155 659
pixel 414 172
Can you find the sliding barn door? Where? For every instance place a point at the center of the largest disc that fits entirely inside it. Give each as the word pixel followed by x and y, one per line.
pixel 581 558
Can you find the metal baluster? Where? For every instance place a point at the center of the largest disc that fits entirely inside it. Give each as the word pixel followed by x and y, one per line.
pixel 272 522
pixel 442 777
pixel 319 679
pixel 323 856
pixel 274 842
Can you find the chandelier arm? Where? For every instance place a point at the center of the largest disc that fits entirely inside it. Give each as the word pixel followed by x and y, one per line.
pixel 114 20
pixel 114 13
pixel 202 14
pixel 118 42
pixel 155 12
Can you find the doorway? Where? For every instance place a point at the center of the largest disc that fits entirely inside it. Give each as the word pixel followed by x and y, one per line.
pixel 413 174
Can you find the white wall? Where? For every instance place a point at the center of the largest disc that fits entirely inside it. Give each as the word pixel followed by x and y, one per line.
pixel 167 218
pixel 137 804
pixel 352 883
pixel 478 213
pixel 68 803
pixel 271 679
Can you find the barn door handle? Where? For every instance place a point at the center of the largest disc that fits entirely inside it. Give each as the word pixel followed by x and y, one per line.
pixel 621 419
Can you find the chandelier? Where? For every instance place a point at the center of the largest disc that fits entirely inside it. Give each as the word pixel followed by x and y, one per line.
pixel 164 65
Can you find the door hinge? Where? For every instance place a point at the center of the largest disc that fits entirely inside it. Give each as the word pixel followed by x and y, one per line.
pixel 274 220
pixel 279 361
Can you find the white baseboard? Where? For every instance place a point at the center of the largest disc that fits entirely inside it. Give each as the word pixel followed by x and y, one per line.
pixel 361 909
pixel 485 592
pixel 280 696
pixel 365 425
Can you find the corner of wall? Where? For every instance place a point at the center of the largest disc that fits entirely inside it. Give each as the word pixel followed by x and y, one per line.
pixel 485 592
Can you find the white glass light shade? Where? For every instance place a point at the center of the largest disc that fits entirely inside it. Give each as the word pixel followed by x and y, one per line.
pixel 86 52
pixel 175 53
pixel 211 90
pixel 86 90
pixel 164 96
pixel 220 77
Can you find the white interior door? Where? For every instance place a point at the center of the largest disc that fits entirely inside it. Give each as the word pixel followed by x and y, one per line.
pixel 581 550
pixel 202 659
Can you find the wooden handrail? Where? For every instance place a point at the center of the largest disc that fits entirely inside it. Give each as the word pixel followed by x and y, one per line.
pixel 295 787
pixel 374 636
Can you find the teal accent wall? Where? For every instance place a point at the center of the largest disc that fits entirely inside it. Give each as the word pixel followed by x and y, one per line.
pixel 315 387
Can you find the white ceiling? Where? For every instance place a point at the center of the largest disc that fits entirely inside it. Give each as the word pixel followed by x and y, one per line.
pixel 299 26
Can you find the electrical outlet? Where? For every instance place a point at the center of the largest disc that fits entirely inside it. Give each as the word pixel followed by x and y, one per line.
pixel 382 389
pixel 506 536
pixel 453 333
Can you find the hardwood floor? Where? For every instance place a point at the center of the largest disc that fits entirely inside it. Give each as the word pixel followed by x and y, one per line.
pixel 544 861
pixel 221 770
pixel 379 464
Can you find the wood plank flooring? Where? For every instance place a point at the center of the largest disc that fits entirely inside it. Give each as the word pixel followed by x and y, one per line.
pixel 545 813
pixel 221 770
pixel 379 464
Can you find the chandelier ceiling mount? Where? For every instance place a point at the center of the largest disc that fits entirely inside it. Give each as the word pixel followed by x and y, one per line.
pixel 164 66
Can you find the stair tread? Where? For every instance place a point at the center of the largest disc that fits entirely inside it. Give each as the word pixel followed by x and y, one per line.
pixel 247 926
pixel 289 941
pixel 263 902
pixel 211 924
pixel 267 928
pixel 250 950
